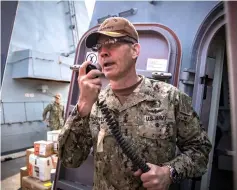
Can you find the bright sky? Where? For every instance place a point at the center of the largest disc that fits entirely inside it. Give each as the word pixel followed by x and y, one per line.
pixel 90 7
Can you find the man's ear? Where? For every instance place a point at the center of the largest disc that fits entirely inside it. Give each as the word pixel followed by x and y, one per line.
pixel 136 50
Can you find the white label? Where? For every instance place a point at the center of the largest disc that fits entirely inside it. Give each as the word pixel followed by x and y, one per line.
pixel 42 149
pixel 36 172
pixel 55 146
pixel 92 56
pixel 49 137
pixel 32 159
pixel 156 65
pixel 55 137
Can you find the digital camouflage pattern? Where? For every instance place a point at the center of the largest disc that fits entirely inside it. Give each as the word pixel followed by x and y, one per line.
pixel 56 114
pixel 156 118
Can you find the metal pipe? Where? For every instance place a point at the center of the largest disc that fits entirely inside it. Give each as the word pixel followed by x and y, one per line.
pixel 3 114
pixel 77 67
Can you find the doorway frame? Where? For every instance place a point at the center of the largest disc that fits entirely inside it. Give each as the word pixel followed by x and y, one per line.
pixel 211 25
pixel 214 108
pixel 213 22
pixel 231 29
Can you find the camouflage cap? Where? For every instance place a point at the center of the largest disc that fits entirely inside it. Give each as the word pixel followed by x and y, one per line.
pixel 113 27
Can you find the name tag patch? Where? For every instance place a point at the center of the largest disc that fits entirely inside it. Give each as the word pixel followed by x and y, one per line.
pixel 155 118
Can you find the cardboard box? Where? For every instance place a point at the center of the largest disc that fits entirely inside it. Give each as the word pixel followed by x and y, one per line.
pixel 30 183
pixel 28 152
pixel 53 135
pixel 23 173
pixel 55 147
pixel 43 148
pixel 40 167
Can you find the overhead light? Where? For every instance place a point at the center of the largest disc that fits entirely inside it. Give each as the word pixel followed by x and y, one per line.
pixel 129 12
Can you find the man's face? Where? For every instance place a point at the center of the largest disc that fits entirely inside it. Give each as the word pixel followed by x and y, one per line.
pixel 116 59
pixel 57 99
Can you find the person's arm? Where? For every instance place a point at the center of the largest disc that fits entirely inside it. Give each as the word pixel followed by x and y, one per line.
pixel 63 116
pixel 75 140
pixel 192 141
pixel 46 110
pixel 63 113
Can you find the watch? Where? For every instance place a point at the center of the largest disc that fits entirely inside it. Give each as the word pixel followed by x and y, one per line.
pixel 173 174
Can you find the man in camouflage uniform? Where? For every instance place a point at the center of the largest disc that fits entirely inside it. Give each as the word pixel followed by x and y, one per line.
pixel 56 114
pixel 153 116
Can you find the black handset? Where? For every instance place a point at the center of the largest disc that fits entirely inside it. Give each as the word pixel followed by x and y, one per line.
pixel 113 126
pixel 90 67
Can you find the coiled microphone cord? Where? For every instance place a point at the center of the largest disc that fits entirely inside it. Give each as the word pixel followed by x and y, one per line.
pixel 126 146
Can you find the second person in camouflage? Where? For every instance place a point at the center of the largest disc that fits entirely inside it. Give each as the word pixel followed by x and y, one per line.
pixel 56 114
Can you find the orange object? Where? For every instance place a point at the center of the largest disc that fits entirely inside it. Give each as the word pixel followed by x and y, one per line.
pixel 43 148
pixel 28 152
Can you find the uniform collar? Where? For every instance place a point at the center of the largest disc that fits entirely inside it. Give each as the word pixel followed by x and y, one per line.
pixel 144 91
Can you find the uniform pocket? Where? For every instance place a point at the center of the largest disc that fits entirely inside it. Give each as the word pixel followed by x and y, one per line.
pixel 156 130
pixel 55 108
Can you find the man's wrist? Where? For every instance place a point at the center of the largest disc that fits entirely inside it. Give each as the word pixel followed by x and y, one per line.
pixel 172 174
pixel 167 172
pixel 82 109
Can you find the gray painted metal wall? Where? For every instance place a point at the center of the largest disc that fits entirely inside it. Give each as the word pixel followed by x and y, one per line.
pixel 44 26
pixel 184 18
pixel 41 26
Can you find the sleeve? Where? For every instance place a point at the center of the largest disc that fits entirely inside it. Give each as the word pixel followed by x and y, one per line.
pixel 75 140
pixel 192 141
pixel 46 110
pixel 63 112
